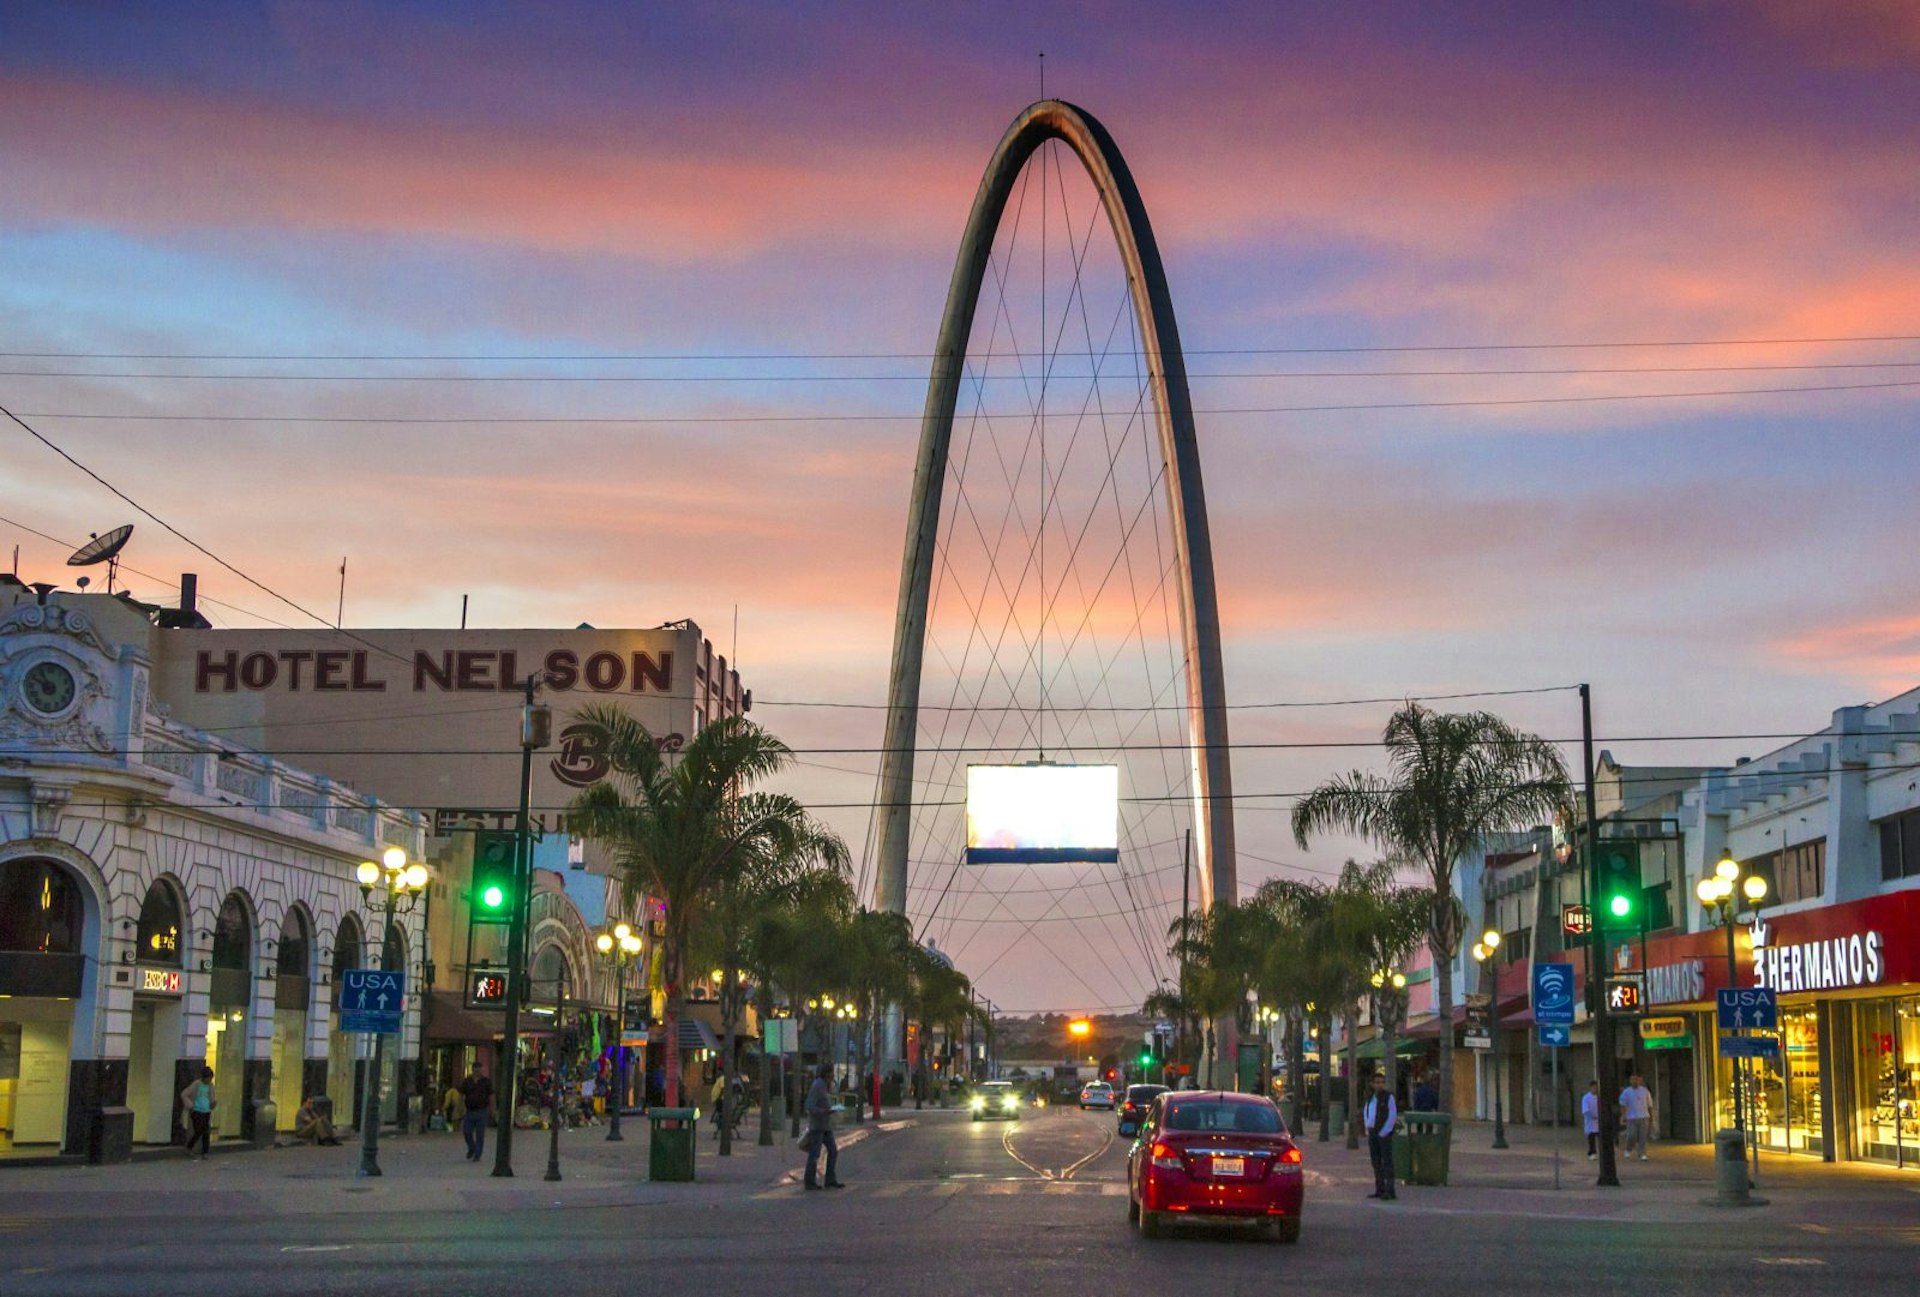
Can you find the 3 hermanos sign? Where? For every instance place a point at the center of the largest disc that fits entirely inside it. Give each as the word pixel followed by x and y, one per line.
pixel 428 719
pixel 1869 942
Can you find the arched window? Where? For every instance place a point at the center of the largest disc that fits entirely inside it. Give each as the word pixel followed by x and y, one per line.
pixel 41 910
pixel 232 935
pixel 393 953
pixel 158 939
pixel 346 948
pixel 550 967
pixel 295 948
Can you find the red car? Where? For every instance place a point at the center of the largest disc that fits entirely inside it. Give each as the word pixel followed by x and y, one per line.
pixel 1212 1155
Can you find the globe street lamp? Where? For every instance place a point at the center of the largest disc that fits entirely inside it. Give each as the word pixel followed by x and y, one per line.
pixel 1721 894
pixel 404 884
pixel 622 945
pixel 1487 952
pixel 1390 1010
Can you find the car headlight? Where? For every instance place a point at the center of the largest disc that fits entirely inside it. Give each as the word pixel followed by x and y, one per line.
pixel 1011 1102
pixel 979 1102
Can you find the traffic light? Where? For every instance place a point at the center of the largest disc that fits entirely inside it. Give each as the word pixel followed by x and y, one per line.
pixel 1113 1074
pixel 1621 895
pixel 1146 1059
pixel 492 893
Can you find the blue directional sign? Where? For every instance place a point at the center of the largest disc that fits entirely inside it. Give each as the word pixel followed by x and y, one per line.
pixel 1553 995
pixel 1748 1008
pixel 1749 1046
pixel 373 1000
pixel 1554 1037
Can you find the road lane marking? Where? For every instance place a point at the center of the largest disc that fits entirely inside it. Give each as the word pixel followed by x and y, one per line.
pixel 318 1247
pixel 1105 1145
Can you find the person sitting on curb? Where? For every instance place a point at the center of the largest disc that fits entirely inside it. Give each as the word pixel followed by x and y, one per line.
pixel 309 1127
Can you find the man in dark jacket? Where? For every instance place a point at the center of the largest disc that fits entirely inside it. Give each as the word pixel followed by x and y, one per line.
pixel 820 1129
pixel 477 1093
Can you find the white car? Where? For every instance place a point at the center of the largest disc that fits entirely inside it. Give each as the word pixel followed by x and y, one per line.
pixel 1096 1094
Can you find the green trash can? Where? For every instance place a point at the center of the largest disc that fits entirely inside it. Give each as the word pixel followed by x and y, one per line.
pixel 670 1142
pixel 1402 1153
pixel 1429 1141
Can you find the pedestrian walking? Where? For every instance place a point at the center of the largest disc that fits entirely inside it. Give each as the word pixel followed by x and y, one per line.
pixel 198 1100
pixel 1636 1113
pixel 1382 1117
pixel 476 1092
pixel 1590 1118
pixel 820 1130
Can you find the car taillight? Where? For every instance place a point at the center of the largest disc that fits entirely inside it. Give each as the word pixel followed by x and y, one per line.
pixel 1290 1155
pixel 1165 1156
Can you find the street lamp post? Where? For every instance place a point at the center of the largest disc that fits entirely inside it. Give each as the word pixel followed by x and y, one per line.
pixel 1487 951
pixel 1720 895
pixel 1390 1007
pixel 623 943
pixel 404 885
pixel 559 1065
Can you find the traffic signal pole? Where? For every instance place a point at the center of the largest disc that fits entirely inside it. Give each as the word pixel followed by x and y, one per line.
pixel 1603 1069
pixel 517 936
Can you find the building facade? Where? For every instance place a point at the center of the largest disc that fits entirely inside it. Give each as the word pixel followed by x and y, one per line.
pixel 168 900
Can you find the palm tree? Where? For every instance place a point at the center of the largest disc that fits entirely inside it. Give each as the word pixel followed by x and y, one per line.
pixel 785 944
pixel 1219 949
pixel 799 949
pixel 745 898
pixel 686 829
pixel 879 952
pixel 1381 921
pixel 1454 779
pixel 1285 977
pixel 940 996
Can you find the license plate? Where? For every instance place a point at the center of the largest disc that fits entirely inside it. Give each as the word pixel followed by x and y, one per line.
pixel 1229 1166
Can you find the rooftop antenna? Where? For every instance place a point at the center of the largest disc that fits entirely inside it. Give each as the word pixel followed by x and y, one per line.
pixel 103 549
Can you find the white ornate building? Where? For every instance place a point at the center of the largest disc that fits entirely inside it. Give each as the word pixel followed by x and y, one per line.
pixel 169 900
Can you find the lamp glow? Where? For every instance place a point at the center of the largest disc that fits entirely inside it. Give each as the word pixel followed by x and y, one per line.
pixel 394 858
pixel 368 873
pixel 1727 867
pixel 1755 887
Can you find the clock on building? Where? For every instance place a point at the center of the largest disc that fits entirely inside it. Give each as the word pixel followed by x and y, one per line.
pixel 47 688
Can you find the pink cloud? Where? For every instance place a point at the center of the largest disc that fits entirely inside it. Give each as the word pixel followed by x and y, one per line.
pixel 1884 650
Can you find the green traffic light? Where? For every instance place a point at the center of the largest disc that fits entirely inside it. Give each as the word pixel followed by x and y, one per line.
pixel 493 897
pixel 1621 906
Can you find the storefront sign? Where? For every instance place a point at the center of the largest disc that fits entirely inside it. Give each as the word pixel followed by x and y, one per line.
pixel 1656 1028
pixel 1823 964
pixel 163 981
pixel 1681 983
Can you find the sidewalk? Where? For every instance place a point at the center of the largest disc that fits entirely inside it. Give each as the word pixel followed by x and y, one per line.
pixel 1676 1183
pixel 419 1173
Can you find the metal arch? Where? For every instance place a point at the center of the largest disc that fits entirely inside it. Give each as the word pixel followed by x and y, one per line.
pixel 1167 374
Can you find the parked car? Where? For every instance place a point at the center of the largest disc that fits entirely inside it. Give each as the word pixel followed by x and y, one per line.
pixel 1133 1108
pixel 1096 1094
pixel 1209 1155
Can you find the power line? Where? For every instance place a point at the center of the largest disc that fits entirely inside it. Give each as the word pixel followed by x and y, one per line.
pixel 760 419
pixel 1181 707
pixel 1221 376
pixel 922 355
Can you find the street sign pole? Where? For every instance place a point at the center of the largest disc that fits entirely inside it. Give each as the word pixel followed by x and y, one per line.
pixel 1554 1054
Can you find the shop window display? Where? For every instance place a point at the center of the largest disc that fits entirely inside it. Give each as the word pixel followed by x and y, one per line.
pixel 1787 1094
pixel 1887 1076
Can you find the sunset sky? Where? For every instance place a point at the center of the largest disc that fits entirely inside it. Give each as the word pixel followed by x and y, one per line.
pixel 762 203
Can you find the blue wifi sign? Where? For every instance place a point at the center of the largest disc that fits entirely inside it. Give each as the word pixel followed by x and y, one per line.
pixel 1553 995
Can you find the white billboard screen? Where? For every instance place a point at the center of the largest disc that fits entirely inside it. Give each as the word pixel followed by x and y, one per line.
pixel 1032 814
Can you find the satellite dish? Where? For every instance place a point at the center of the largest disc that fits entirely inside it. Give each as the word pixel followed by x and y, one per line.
pixel 103 549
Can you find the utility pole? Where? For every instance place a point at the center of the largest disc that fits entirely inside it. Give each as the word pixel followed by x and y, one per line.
pixel 1596 967
pixel 536 727
pixel 1186 911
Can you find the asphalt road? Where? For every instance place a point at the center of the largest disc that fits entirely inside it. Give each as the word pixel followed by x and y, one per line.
pixel 944 1206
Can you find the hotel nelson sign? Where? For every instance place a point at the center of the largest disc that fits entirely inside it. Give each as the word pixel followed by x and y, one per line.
pixel 425 719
